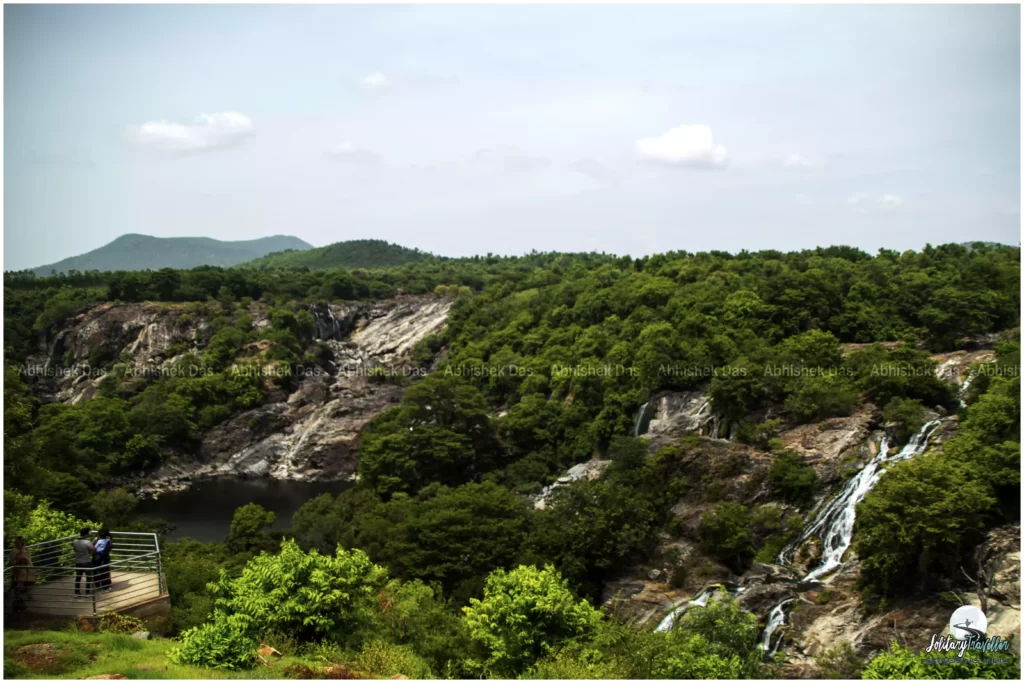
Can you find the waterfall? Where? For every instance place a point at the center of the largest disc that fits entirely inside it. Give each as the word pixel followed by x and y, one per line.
pixel 963 389
pixel 670 619
pixel 776 618
pixel 833 524
pixel 327 327
pixel 639 420
pixel 703 407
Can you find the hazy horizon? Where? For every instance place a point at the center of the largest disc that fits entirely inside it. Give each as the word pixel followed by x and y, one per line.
pixel 463 130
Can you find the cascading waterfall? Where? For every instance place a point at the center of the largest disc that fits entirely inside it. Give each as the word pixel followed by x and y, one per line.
pixel 639 420
pixel 703 407
pixel 327 327
pixel 963 389
pixel 834 522
pixel 776 618
pixel 670 619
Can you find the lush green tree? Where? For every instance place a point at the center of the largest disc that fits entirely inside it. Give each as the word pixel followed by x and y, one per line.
pixel 918 521
pixel 114 507
pixel 524 615
pixel 792 479
pixel 249 529
pixel 725 532
pixel 305 594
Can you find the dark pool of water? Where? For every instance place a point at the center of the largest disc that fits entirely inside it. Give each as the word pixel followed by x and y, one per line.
pixel 204 510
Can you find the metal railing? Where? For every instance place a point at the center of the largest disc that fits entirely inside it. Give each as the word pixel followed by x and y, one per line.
pixel 58 586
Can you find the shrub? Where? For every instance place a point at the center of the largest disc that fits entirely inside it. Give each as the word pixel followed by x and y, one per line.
pixel 381 659
pixel 225 643
pixel 793 480
pixel 725 533
pixel 525 615
pixel 900 663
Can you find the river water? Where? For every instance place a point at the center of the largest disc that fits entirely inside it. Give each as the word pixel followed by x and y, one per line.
pixel 204 510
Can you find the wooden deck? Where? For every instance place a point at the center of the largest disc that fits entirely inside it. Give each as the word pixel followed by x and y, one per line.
pixel 127 589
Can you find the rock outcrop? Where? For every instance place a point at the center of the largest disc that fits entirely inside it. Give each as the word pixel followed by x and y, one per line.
pixel 309 433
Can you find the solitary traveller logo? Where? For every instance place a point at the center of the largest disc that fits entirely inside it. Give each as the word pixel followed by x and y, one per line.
pixel 967 627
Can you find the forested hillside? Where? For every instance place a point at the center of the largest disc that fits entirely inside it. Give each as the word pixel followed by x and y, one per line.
pixel 438 556
pixel 349 254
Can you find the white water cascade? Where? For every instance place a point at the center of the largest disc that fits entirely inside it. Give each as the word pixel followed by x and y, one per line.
pixel 639 420
pixel 833 523
pixel 327 327
pixel 776 618
pixel 963 390
pixel 670 619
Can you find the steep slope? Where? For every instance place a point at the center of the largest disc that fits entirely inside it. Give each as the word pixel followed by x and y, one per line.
pixel 141 252
pixel 350 254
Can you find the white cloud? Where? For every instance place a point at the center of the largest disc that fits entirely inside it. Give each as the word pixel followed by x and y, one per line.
pixel 376 81
pixel 864 201
pixel 798 162
pixel 346 151
pixel 685 145
pixel 803 200
pixel 206 132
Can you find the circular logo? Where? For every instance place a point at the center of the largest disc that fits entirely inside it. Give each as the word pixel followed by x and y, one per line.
pixel 968 622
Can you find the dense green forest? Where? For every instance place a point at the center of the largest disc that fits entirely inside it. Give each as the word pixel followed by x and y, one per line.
pixel 349 254
pixel 436 558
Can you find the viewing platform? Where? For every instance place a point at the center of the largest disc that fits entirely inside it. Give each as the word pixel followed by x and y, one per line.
pixel 137 583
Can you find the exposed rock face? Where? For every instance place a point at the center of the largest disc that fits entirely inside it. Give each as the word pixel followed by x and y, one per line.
pixel 309 434
pixel 829 445
pixel 677 413
pixel 588 471
pixel 954 367
pixel 148 333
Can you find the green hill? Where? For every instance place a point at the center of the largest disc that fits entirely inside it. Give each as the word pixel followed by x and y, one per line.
pixel 350 254
pixel 141 252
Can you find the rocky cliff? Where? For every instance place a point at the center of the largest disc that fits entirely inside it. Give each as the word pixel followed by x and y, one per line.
pixel 309 433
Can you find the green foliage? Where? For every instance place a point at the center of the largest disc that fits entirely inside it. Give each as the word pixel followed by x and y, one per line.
pixel 793 480
pixel 304 593
pixel 725 533
pixel 525 614
pixel 907 414
pixel 249 529
pixel 920 519
pixel 36 522
pixel 900 663
pixel 381 659
pixel 226 643
pixel 114 507
pixel 716 641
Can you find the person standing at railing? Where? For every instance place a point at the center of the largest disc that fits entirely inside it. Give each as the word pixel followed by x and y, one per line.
pixel 23 574
pixel 102 560
pixel 83 562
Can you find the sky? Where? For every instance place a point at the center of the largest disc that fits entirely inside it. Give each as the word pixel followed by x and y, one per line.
pixel 465 130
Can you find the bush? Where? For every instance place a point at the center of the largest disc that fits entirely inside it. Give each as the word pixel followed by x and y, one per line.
pixel 900 663
pixel 840 661
pixel 525 615
pixel 225 643
pixel 793 480
pixel 907 414
pixel 309 595
pixel 381 659
pixel 725 533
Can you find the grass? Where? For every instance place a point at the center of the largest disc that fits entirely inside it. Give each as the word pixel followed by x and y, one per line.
pixel 71 654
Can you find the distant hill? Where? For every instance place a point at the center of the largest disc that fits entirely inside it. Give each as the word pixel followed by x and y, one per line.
pixel 141 252
pixel 351 254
